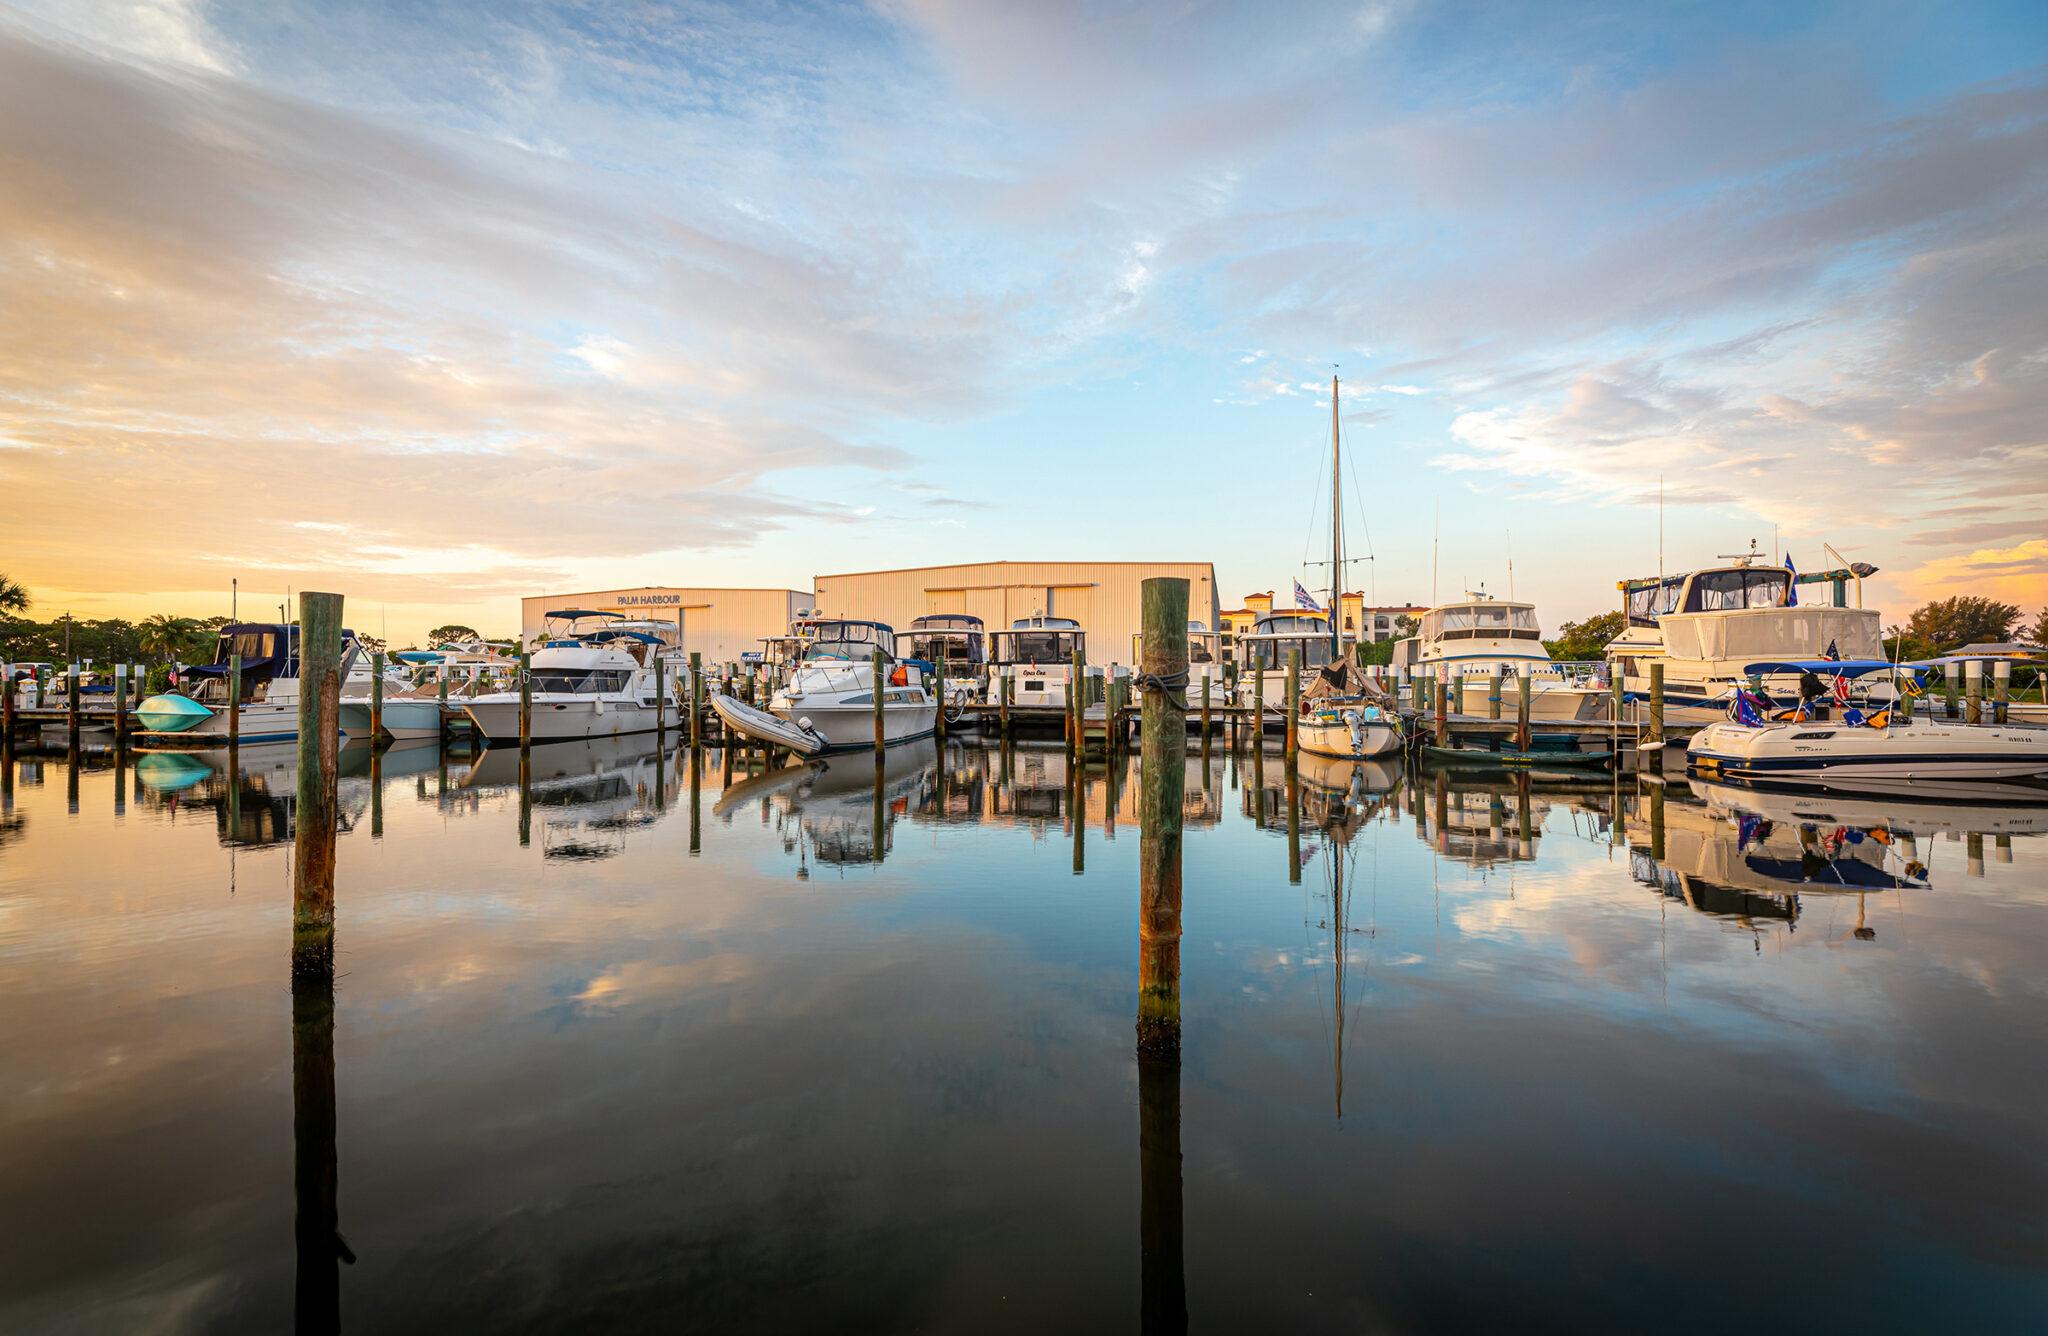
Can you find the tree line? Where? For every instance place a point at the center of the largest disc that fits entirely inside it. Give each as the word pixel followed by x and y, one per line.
pixel 164 638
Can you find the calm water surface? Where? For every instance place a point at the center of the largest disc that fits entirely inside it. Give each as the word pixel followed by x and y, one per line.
pixel 656 1047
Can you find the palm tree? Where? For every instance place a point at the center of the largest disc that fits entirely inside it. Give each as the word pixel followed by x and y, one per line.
pixel 167 638
pixel 13 596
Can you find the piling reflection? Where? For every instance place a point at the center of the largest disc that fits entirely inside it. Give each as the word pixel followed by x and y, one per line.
pixel 321 1250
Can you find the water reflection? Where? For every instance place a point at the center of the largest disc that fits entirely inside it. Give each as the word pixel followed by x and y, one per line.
pixel 589 1083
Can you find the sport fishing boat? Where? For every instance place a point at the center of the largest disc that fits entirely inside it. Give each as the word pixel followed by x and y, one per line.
pixel 1812 744
pixel 827 704
pixel 1704 626
pixel 1037 655
pixel 198 713
pixel 1480 635
pixel 592 676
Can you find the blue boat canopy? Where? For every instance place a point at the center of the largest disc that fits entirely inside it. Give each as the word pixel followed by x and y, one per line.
pixel 601 637
pixel 1823 667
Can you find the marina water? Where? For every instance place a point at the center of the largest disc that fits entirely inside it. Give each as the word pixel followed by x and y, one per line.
pixel 641 1044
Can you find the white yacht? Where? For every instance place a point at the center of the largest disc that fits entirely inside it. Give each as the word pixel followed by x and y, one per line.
pixel 1263 655
pixel 592 676
pixel 957 643
pixel 1704 626
pixel 1854 750
pixel 827 701
pixel 198 712
pixel 1480 635
pixel 1037 655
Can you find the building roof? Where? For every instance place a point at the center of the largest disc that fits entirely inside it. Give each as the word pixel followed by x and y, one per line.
pixel 957 565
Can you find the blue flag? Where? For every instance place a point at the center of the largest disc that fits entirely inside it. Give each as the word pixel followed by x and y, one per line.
pixel 1792 585
pixel 1302 599
pixel 1745 711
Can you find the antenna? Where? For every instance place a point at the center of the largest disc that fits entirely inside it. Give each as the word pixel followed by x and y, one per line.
pixel 1660 528
pixel 1511 565
pixel 1435 537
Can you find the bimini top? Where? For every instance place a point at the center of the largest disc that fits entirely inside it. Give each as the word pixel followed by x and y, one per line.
pixel 1824 667
pixel 268 649
pixel 1045 623
pixel 606 636
pixel 578 614
pixel 1296 623
pixel 947 621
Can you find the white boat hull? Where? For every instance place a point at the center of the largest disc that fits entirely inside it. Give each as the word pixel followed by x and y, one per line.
pixel 1845 756
pixel 260 722
pixel 559 717
pixel 1346 738
pixel 852 727
pixel 403 719
pixel 1550 701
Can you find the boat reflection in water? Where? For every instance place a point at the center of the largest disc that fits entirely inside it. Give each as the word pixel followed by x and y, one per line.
pixel 838 809
pixel 590 793
pixel 251 791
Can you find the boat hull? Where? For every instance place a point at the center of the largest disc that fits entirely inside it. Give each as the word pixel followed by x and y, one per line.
pixel 1549 701
pixel 260 721
pixel 852 727
pixel 1845 756
pixel 403 718
pixel 558 718
pixel 1342 740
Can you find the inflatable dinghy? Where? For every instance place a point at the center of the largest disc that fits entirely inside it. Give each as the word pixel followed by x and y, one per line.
pixel 762 726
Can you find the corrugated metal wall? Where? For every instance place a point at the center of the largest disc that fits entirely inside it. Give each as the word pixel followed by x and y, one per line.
pixel 720 624
pixel 1102 595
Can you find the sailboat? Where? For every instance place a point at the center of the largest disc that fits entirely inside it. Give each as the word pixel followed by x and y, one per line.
pixel 1342 713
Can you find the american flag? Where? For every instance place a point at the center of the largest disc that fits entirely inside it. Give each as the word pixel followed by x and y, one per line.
pixel 1302 599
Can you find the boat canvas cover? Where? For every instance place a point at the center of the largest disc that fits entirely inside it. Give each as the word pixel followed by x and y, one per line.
pixel 1769 633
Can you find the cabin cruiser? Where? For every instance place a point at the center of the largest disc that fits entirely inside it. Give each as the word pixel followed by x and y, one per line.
pixel 1843 747
pixel 1037 655
pixel 1480 635
pixel 592 676
pixel 955 643
pixel 1705 625
pixel 269 706
pixel 827 702
pixel 410 719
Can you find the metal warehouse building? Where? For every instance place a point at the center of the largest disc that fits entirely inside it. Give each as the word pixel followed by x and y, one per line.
pixel 1101 595
pixel 722 624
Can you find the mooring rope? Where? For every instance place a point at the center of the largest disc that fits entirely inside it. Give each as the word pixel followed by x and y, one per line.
pixel 1174 685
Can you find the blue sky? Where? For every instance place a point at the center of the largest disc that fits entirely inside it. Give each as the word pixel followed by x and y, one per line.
pixel 442 305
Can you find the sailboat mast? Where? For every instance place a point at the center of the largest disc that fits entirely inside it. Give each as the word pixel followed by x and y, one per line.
pixel 1336 532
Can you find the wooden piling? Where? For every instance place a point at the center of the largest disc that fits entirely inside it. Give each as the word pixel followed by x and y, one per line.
pixel 939 687
pixel 314 819
pixel 1162 1276
pixel 660 702
pixel 1973 692
pixel 525 701
pixel 880 684
pixel 1162 783
pixel 1293 823
pixel 1205 714
pixel 1493 696
pixel 376 789
pixel 71 690
pixel 1077 705
pixel 1656 740
pixel 316 1228
pixel 1293 733
pixel 1522 688
pixel 7 703
pixel 1004 708
pixel 235 701
pixel 1457 693
pixel 525 797
pixel 1258 704
pixel 696 706
pixel 1617 694
pixel 1950 684
pixel 376 697
pixel 121 678
pixel 1443 722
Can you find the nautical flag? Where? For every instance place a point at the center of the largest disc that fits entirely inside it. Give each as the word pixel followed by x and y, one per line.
pixel 1745 829
pixel 1302 599
pixel 1792 585
pixel 1841 688
pixel 1745 711
pixel 1852 717
pixel 1834 652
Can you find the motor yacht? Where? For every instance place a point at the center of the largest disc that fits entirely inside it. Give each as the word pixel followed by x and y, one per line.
pixel 1205 664
pixel 1480 635
pixel 591 676
pixel 1037 655
pixel 1847 747
pixel 827 703
pixel 1264 653
pixel 1704 626
pixel 955 642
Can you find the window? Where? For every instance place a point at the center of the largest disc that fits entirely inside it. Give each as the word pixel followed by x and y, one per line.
pixel 1721 591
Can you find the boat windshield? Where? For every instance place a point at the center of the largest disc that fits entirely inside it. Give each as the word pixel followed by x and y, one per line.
pixel 581 681
pixel 962 647
pixel 1292 624
pixel 1271 652
pixel 1202 648
pixel 847 640
pixel 1039 646
pixel 1481 621
pixel 1743 587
